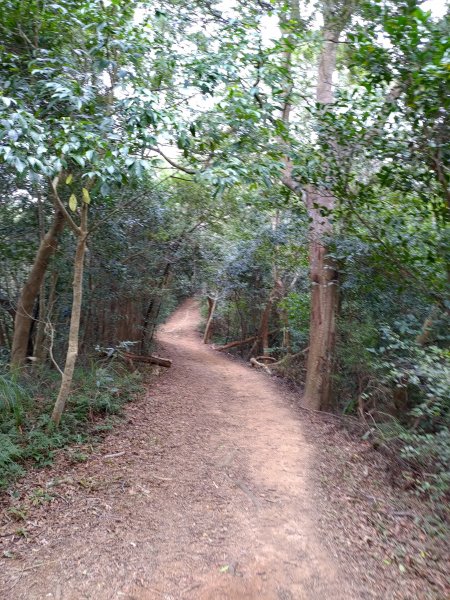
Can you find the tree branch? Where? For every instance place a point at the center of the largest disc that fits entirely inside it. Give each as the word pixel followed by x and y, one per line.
pixel 54 184
pixel 173 163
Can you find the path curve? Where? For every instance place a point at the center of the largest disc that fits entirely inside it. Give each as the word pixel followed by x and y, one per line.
pixel 210 500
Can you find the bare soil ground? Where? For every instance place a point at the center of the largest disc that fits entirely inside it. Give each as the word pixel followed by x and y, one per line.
pixel 210 490
pixel 389 538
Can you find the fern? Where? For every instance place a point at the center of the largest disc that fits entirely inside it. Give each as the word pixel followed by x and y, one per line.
pixel 12 398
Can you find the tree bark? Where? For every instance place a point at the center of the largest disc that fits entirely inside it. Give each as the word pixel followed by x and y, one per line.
pixel 324 303
pixel 30 290
pixel 39 340
pixel 74 330
pixel 212 303
pixel 324 293
pixel 323 275
pixel 262 339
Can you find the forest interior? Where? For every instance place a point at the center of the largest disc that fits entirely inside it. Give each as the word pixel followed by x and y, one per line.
pixel 224 299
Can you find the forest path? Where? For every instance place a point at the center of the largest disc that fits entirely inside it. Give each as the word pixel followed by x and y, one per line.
pixel 207 498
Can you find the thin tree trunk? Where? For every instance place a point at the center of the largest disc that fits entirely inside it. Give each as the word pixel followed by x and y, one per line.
pixel 153 309
pixel 284 317
pixel 242 322
pixel 212 303
pixel 423 338
pixel 72 350
pixel 7 333
pixel 87 325
pixel 39 347
pixel 39 351
pixel 30 290
pixel 262 339
pixel 264 327
pixel 2 336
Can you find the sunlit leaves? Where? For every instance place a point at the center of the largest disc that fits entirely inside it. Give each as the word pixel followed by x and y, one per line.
pixel 86 196
pixel 63 104
pixel 73 203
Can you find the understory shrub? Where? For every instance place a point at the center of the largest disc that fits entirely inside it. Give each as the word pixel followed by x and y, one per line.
pixel 419 377
pixel 27 437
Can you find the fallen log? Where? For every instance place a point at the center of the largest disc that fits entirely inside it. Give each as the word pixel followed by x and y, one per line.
pixel 241 342
pixel 267 358
pixel 212 303
pixel 149 358
pixel 237 343
pixel 289 357
pixel 259 365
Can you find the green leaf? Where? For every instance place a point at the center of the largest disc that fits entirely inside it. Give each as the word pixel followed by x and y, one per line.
pixel 69 179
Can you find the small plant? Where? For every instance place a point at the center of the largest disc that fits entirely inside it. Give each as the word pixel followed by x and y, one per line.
pixel 18 513
pixel 12 398
pixel 40 496
pixel 78 457
pixel 22 532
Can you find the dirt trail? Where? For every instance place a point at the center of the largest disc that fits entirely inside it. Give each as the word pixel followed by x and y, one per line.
pixel 210 500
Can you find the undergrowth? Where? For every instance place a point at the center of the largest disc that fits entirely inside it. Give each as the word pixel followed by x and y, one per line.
pixel 27 438
pixel 401 392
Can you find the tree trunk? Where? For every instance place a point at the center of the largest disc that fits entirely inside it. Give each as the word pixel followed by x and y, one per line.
pixel 153 309
pixel 212 303
pixel 72 350
pixel 39 351
pixel 324 289
pixel 242 321
pixel 324 302
pixel 264 327
pixel 30 290
pixel 284 318
pixel 262 339
pixel 423 338
pixel 39 340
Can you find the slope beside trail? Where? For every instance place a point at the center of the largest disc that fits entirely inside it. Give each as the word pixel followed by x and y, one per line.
pixel 203 494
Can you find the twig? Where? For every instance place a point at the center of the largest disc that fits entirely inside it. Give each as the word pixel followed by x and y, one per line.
pixel 50 330
pixel 173 163
pixel 36 566
pixel 59 204
pixel 162 478
pixel 114 455
pixel 403 513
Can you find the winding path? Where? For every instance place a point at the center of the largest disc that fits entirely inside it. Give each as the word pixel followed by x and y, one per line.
pixel 203 494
